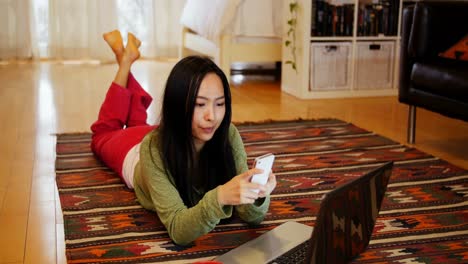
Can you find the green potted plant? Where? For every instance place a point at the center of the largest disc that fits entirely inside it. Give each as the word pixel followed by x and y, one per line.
pixel 291 39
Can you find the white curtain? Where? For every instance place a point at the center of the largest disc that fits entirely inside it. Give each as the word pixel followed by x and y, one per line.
pixel 72 29
pixel 15 29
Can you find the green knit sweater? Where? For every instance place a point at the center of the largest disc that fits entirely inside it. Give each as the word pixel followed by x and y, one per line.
pixel 155 190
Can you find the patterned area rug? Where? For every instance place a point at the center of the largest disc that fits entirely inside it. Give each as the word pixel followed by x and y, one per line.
pixel 423 219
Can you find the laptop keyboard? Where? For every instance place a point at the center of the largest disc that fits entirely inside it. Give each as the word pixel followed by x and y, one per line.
pixel 297 254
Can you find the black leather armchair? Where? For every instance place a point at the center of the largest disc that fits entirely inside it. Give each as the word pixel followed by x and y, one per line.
pixel 427 80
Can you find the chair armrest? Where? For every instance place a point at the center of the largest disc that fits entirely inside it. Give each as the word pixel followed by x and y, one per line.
pixel 436 27
pixel 406 61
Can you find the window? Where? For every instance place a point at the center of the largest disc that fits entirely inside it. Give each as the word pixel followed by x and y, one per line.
pixel 131 16
pixel 41 22
pixel 135 16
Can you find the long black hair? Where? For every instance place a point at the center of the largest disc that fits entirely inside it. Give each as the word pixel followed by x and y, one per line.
pixel 215 164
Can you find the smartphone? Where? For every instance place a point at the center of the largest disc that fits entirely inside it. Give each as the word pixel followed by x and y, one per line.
pixel 264 162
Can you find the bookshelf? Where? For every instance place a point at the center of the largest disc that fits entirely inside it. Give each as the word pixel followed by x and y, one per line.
pixel 344 48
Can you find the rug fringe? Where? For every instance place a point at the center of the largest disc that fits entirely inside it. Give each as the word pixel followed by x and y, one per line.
pixel 237 123
pixel 71 133
pixel 271 121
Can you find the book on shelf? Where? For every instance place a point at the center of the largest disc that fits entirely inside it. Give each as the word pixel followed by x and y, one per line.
pixel 336 18
pixel 332 18
pixel 378 18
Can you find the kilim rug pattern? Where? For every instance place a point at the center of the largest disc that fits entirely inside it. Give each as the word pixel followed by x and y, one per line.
pixel 423 219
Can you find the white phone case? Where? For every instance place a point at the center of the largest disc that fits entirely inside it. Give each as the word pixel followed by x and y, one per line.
pixel 265 163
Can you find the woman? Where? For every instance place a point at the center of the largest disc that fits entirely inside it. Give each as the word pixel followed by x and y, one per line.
pixel 192 168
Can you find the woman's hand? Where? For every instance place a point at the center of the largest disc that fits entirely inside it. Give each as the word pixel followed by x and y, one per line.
pixel 269 186
pixel 239 190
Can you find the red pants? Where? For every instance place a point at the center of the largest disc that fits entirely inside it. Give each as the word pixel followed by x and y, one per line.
pixel 121 123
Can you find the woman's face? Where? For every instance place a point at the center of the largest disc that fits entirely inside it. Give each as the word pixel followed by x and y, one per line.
pixel 209 110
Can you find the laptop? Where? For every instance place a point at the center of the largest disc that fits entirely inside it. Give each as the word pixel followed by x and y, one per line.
pixel 342 230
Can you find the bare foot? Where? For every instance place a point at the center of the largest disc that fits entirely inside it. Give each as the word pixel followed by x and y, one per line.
pixel 131 52
pixel 132 37
pixel 137 41
pixel 114 39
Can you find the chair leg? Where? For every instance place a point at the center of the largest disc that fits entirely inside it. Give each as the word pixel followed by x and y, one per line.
pixel 411 124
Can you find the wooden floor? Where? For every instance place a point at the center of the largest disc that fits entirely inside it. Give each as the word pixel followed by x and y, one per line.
pixel 38 100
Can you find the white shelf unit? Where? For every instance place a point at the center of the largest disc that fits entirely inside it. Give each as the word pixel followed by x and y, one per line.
pixel 303 83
